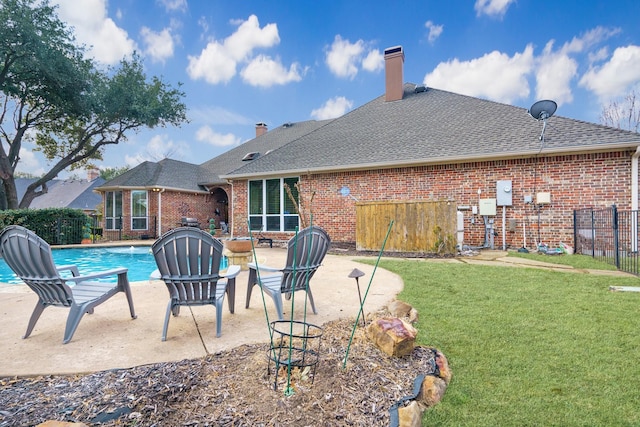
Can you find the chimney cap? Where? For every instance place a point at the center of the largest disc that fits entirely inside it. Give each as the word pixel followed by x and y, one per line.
pixel 261 124
pixel 392 50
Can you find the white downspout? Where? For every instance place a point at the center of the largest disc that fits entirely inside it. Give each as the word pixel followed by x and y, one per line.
pixel 232 218
pixel 634 200
pixel 160 211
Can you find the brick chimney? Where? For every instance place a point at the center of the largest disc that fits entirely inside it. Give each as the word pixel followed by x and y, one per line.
pixel 92 174
pixel 261 129
pixel 393 62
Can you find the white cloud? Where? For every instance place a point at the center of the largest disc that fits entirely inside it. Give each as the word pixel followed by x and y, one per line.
pixel 495 76
pixel 496 8
pixel 343 56
pixel 208 135
pixel 266 72
pixel 589 39
pixel 557 69
pixel 159 46
pixel 615 77
pixel 218 61
pixel 105 41
pixel 250 36
pixel 554 73
pixel 374 61
pixel 29 163
pixel 599 55
pixel 214 65
pixel 171 5
pixel 334 107
pixel 434 31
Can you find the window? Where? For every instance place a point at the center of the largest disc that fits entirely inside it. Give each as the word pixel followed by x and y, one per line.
pixel 113 210
pixel 270 207
pixel 139 210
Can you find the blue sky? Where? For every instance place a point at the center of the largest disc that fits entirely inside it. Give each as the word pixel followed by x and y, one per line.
pixel 243 62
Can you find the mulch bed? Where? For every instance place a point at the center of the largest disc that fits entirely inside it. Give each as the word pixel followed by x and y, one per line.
pixel 230 388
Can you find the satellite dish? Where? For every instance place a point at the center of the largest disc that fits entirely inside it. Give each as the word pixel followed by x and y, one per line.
pixel 542 110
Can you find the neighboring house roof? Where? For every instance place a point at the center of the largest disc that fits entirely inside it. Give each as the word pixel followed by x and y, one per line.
pixel 88 199
pixel 167 173
pixel 70 193
pixel 259 146
pixel 431 127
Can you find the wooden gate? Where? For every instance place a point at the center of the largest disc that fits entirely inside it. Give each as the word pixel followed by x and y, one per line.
pixel 419 226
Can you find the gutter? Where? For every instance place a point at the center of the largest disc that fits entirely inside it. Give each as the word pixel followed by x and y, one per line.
pixel 429 161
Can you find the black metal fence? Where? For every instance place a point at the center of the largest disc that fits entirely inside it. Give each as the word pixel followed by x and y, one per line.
pixel 609 235
pixel 125 228
pixel 63 231
pixel 73 231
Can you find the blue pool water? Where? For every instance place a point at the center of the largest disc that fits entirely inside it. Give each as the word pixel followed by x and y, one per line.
pixel 138 259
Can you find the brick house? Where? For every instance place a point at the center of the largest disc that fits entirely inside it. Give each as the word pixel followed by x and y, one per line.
pixel 420 143
pixel 153 197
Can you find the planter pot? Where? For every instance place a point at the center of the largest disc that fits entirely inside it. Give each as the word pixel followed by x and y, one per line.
pixel 242 245
pixel 85 241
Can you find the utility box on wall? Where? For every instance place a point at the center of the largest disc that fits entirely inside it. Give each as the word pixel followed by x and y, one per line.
pixel 504 193
pixel 487 207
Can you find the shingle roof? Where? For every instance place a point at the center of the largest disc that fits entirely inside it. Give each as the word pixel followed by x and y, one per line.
pixel 71 193
pixel 268 142
pixel 166 173
pixel 433 126
pixel 178 175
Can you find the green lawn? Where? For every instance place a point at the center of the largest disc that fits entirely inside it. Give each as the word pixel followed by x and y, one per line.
pixel 577 261
pixel 528 347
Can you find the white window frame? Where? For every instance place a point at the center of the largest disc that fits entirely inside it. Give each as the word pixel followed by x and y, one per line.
pixel 136 218
pixel 282 216
pixel 113 219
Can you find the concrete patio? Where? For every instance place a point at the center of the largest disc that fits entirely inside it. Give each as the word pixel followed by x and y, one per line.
pixel 110 339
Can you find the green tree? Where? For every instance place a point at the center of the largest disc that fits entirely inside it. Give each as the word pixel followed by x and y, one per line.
pixel 120 103
pixel 74 109
pixel 110 173
pixel 42 78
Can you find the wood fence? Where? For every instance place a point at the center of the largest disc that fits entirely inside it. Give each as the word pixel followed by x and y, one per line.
pixel 418 226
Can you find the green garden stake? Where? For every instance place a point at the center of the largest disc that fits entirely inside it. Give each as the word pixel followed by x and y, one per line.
pixel 355 325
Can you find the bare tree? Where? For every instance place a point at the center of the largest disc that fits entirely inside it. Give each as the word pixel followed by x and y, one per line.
pixel 623 114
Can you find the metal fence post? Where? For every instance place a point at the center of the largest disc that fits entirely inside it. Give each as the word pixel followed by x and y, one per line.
pixel 593 234
pixel 616 241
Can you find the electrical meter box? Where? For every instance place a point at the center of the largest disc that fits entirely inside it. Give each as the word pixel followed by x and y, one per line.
pixel 504 193
pixel 488 207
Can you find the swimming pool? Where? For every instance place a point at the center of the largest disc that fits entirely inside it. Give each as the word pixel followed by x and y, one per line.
pixel 138 259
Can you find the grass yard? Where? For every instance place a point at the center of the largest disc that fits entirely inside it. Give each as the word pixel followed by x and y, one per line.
pixel 528 347
pixel 576 261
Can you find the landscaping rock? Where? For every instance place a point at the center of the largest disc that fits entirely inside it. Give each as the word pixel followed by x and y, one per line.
pixel 410 415
pixel 393 336
pixel 443 366
pixel 401 309
pixel 433 389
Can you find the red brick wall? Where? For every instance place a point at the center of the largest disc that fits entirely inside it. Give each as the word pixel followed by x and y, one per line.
pixel 175 205
pixel 574 181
